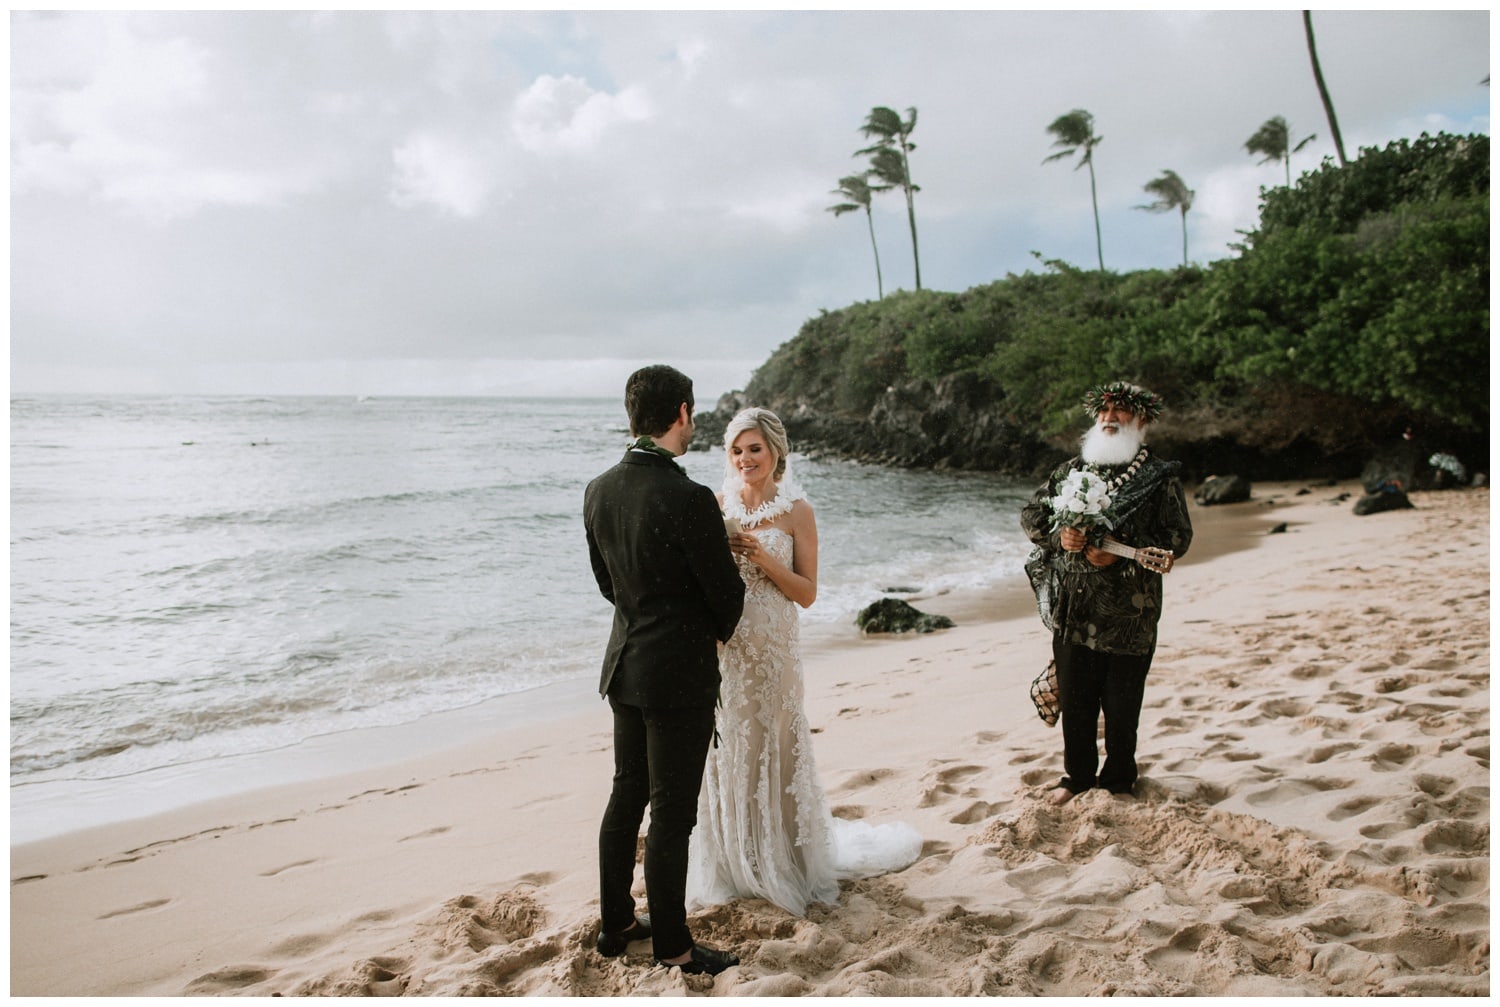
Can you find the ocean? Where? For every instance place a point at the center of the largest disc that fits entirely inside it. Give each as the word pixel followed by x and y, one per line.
pixel 200 579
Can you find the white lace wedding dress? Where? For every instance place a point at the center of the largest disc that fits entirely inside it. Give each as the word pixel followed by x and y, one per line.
pixel 764 829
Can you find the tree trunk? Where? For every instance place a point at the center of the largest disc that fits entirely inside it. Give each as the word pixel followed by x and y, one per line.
pixel 911 214
pixel 1333 122
pixel 1098 234
pixel 1184 238
pixel 879 283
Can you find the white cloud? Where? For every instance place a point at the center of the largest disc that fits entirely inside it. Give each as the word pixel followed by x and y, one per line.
pixel 274 189
pixel 565 114
pixel 441 172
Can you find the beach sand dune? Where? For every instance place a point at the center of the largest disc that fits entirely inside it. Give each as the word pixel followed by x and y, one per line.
pixel 1312 817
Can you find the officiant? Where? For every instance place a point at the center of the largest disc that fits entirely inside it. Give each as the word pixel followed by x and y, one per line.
pixel 1101 607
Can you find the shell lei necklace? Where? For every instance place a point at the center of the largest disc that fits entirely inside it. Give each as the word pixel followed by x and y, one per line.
pixel 1111 486
pixel 768 510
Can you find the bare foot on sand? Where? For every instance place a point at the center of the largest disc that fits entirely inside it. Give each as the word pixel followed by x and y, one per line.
pixel 1062 795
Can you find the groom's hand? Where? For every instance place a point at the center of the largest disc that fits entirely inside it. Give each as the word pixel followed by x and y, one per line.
pixel 1073 539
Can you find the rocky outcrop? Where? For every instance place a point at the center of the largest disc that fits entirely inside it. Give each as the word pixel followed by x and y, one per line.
pixel 1223 490
pixel 959 423
pixel 963 421
pixel 892 615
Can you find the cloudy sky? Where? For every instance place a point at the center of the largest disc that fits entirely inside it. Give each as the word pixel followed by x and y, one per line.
pixel 506 203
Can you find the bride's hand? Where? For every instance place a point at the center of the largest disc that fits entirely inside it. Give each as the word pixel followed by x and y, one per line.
pixel 746 545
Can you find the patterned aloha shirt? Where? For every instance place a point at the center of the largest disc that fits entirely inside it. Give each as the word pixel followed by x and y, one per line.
pixel 1115 608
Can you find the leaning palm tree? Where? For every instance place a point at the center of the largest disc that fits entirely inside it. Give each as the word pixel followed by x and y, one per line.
pixel 856 189
pixel 1171 193
pixel 890 164
pixel 1273 140
pixel 1075 133
pixel 1333 122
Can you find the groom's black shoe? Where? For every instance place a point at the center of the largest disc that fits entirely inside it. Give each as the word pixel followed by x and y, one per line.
pixel 704 961
pixel 613 945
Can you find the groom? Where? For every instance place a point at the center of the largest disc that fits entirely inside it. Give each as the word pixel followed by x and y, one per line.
pixel 661 557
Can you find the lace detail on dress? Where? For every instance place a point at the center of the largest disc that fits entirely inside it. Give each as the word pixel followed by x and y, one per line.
pixel 764 829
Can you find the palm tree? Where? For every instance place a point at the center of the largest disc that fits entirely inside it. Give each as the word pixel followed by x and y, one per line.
pixel 1273 140
pixel 858 191
pixel 1333 122
pixel 889 163
pixel 1075 132
pixel 1171 193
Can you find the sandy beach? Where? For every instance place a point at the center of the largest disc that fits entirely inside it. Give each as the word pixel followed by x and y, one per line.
pixel 1312 816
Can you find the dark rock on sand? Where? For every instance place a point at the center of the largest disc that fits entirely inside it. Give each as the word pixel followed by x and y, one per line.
pixel 1387 499
pixel 892 615
pixel 1223 490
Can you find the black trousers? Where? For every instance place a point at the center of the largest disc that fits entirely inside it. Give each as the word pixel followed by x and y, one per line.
pixel 1090 682
pixel 659 758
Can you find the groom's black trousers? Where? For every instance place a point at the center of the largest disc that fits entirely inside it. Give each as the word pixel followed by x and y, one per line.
pixel 659 758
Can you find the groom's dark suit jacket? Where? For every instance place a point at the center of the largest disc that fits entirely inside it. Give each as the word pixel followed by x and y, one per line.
pixel 657 544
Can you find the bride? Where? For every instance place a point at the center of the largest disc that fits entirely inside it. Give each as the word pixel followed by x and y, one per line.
pixel 764 829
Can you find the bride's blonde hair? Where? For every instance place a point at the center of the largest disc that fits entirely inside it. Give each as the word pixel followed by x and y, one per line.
pixel 769 425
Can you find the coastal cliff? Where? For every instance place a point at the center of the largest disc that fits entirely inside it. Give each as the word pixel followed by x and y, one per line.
pixel 1355 317
pixel 964 422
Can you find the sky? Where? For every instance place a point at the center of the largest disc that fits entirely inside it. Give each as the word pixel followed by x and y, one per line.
pixel 498 203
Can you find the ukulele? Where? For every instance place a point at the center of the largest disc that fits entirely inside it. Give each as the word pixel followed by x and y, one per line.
pixel 1153 559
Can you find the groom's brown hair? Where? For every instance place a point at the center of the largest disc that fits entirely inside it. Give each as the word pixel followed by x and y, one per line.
pixel 652 397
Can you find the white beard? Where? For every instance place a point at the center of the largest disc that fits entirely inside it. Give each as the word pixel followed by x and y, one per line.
pixel 1112 445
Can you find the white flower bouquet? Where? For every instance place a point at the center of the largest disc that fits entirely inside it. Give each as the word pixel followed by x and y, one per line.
pixel 1082 501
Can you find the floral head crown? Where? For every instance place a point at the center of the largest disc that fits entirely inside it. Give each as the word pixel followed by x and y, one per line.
pixel 1140 402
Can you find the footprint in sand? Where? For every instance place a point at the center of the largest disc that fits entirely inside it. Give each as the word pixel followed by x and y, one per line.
pixel 437 831
pixel 1390 758
pixel 477 925
pixel 1351 808
pixel 141 908
pixel 1284 708
pixel 865 778
pixel 1434 786
pixel 1240 755
pixel 287 867
pixel 228 979
pixel 1455 837
pixel 946 785
pixel 1325 752
pixel 1385 830
pixel 976 812
pixel 1292 789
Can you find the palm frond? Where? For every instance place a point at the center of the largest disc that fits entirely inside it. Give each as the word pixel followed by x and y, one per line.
pixel 1075 129
pixel 887 164
pixel 1171 193
pixel 882 122
pixel 1270 140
